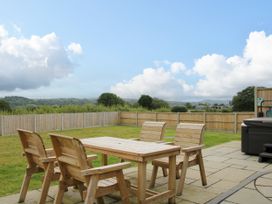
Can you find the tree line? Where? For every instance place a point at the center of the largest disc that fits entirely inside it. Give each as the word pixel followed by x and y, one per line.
pixel 242 101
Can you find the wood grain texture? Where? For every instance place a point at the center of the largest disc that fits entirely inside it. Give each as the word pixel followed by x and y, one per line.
pixel 189 136
pixel 39 160
pixel 76 170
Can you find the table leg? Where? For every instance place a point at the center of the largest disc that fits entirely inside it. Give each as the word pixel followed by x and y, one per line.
pixel 104 159
pixel 141 182
pixel 172 177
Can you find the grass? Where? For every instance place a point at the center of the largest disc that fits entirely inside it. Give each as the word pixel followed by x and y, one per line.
pixel 12 164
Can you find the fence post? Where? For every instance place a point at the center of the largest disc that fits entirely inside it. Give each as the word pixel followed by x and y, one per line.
pixel 104 118
pixel 119 118
pixel 83 120
pixel 204 117
pixel 137 119
pixel 2 125
pixel 235 123
pixel 35 123
pixel 62 121
pixel 156 116
pixel 178 117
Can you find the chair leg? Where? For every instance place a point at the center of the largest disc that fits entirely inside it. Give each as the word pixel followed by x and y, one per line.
pixel 46 182
pixel 164 171
pixel 100 200
pixel 202 169
pixel 154 176
pixel 177 173
pixel 91 190
pixel 123 187
pixel 183 174
pixel 25 184
pixel 81 188
pixel 60 192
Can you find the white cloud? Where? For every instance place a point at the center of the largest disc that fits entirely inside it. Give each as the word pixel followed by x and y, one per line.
pixel 224 77
pixel 29 63
pixel 216 76
pixel 3 32
pixel 157 82
pixel 75 48
pixel 177 67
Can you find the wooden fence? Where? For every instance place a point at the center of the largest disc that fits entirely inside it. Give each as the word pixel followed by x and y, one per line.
pixel 57 121
pixel 228 122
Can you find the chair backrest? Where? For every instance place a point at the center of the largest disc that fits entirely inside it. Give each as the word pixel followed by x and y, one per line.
pixel 189 134
pixel 152 131
pixel 33 147
pixel 71 156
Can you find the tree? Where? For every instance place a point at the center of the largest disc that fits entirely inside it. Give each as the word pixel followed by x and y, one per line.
pixel 145 101
pixel 178 109
pixel 189 105
pixel 159 103
pixel 244 100
pixel 110 99
pixel 4 106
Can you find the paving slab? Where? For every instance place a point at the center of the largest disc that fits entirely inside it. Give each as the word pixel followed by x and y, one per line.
pixel 222 186
pixel 232 174
pixel 197 194
pixel 248 196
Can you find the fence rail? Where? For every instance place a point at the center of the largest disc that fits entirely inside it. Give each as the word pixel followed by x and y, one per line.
pixel 228 122
pixel 59 121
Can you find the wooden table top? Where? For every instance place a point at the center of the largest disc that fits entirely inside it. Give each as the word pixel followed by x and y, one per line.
pixel 138 149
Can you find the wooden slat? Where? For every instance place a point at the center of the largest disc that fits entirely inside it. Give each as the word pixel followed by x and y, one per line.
pixel 69 160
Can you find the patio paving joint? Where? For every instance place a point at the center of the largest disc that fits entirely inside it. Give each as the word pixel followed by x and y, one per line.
pixel 221 197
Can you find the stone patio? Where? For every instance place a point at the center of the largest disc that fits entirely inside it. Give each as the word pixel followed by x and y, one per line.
pixel 233 178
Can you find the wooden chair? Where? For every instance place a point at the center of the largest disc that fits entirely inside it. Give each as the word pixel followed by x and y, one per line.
pixel 152 131
pixel 93 183
pixel 39 160
pixel 189 137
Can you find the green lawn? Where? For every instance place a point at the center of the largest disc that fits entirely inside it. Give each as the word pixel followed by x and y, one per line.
pixel 12 163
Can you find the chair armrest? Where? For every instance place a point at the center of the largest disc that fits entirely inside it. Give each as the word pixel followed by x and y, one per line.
pixel 48 159
pixel 192 149
pixel 105 169
pixel 50 152
pixel 91 157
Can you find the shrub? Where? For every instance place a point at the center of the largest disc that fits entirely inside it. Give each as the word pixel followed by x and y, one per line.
pixel 109 99
pixel 178 109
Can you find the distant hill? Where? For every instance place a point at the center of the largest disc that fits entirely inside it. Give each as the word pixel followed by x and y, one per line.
pixel 18 101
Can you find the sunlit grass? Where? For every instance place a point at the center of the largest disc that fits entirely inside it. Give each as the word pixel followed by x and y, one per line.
pixel 12 163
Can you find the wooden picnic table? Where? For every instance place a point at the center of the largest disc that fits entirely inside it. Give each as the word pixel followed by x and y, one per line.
pixel 140 152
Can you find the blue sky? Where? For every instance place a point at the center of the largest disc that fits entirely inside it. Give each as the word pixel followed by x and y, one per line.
pixel 174 50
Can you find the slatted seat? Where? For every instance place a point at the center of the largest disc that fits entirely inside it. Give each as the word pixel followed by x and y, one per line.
pixel 93 183
pixel 190 138
pixel 39 160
